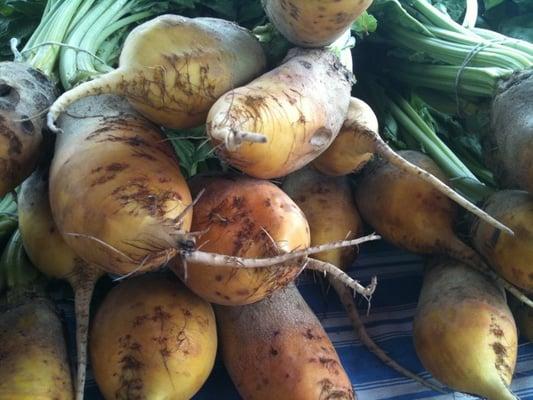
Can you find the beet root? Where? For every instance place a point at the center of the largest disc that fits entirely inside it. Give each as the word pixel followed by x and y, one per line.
pixel 34 362
pixel 277 349
pixel 152 339
pixel 245 217
pixel 413 215
pixel 464 332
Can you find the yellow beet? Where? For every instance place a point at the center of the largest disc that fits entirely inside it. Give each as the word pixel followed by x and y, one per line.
pixel 351 150
pixel 404 209
pixel 277 349
pixel 330 210
pixel 412 214
pixel 152 339
pixel 313 23
pixel 464 333
pixel 510 256
pixel 116 191
pixel 243 217
pixel 50 254
pixel 34 363
pixel 42 241
pixel 173 68
pixel 284 119
pixel 33 354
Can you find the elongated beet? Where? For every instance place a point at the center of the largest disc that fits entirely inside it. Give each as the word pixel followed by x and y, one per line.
pixel 277 349
pixel 464 332
pixel 33 356
pixel 510 256
pixel 329 207
pixel 51 255
pixel 34 353
pixel 126 214
pixel 413 215
pixel 407 210
pixel 152 338
pixel 297 108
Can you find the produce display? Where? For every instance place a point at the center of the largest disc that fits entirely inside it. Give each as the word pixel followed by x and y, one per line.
pixel 173 171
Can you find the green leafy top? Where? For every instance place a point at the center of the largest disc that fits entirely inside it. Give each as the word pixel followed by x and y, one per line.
pixel 193 149
pixel 18 19
pixel 364 25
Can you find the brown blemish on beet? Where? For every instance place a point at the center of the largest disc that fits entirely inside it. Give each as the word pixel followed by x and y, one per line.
pixel 131 385
pixel 160 315
pixel 309 334
pixel 328 391
pixel 116 167
pixel 329 363
pixel 254 103
pixel 136 192
pixel 135 346
pixel 142 154
pixel 139 320
pixel 497 331
pixel 499 349
pixel 501 358
pixel 102 179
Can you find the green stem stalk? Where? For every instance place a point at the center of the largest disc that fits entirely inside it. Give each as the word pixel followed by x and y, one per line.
pixel 54 27
pixel 451 52
pixel 91 37
pixel 473 81
pixel 415 127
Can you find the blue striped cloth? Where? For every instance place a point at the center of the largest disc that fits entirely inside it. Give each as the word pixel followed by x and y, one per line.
pixel 389 324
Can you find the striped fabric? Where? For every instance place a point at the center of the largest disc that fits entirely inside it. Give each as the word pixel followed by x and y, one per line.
pixel 389 324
